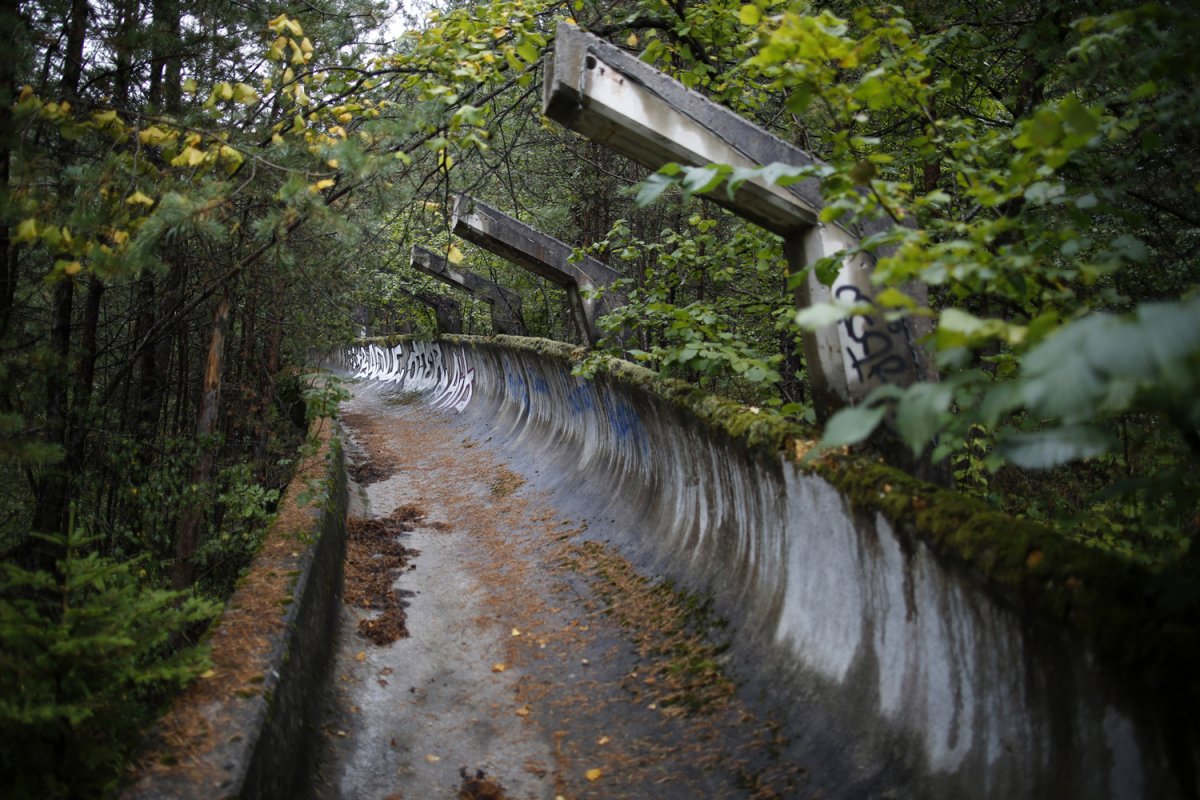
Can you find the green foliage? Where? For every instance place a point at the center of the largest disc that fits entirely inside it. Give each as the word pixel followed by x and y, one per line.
pixel 1039 172
pixel 86 653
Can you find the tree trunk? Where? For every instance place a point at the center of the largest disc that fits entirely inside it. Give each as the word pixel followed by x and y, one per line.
pixel 206 423
pixel 10 20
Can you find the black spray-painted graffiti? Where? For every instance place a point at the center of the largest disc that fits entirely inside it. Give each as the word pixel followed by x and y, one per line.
pixel 882 351
pixel 417 366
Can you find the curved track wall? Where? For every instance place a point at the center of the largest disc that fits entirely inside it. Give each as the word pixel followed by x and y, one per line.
pixel 905 666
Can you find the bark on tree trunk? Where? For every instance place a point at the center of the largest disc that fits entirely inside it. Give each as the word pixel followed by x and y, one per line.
pixel 206 424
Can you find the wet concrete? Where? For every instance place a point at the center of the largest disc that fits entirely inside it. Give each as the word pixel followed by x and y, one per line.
pixel 527 661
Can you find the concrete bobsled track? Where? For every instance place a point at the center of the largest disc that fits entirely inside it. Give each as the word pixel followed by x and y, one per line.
pixel 904 657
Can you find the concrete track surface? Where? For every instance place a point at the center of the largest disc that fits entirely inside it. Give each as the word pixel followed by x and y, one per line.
pixel 539 663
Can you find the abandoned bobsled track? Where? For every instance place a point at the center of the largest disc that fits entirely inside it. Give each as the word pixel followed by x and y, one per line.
pixel 872 658
pixel 623 587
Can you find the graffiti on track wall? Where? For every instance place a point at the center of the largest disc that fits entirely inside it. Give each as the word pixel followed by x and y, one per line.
pixel 416 366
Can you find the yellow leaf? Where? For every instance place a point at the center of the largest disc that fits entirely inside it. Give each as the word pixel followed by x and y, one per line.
pixel 516 632
pixel 454 256
pixel 189 86
pixel 332 163
pixel 155 135
pixel 324 183
pixel 137 198
pixel 593 774
pixel 339 131
pixel 276 138
pixel 26 93
pixel 276 51
pixel 306 46
pixel 244 93
pixel 208 673
pixel 497 668
pixel 362 656
pixel 120 237
pixel 632 41
pixel 69 267
pixel 27 230
pixel 189 157
pixel 433 759
pixel 603 740
pixel 345 117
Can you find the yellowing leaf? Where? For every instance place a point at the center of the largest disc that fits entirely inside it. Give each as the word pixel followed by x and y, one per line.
pixel 189 86
pixel 516 632
pixel 69 267
pixel 137 198
pixel 26 93
pixel 120 237
pixel 188 157
pixel 27 230
pixel 454 256
pixel 632 40
pixel 244 93
pixel 155 135
pixel 593 774
pixel 320 185
pixel 362 656
pixel 749 15
pixel 208 673
pixel 498 668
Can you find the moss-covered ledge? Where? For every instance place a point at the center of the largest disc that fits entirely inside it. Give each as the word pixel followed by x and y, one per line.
pixel 1144 623
pixel 241 730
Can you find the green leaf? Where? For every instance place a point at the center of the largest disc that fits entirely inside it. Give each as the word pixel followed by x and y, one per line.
pixel 652 188
pixel 852 425
pixel 1046 449
pixel 922 413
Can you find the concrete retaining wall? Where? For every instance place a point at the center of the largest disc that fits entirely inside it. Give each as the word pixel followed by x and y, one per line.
pixel 921 646
pixel 241 731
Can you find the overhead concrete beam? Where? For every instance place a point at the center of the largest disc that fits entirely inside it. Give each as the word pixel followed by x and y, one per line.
pixel 446 310
pixel 542 255
pixel 611 97
pixel 505 303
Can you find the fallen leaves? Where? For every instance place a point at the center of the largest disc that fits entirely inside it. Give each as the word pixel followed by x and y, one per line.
pixel 498 668
pixel 593 774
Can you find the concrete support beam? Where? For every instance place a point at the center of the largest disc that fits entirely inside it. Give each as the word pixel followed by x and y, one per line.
pixel 446 310
pixel 611 97
pixel 542 255
pixel 506 304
